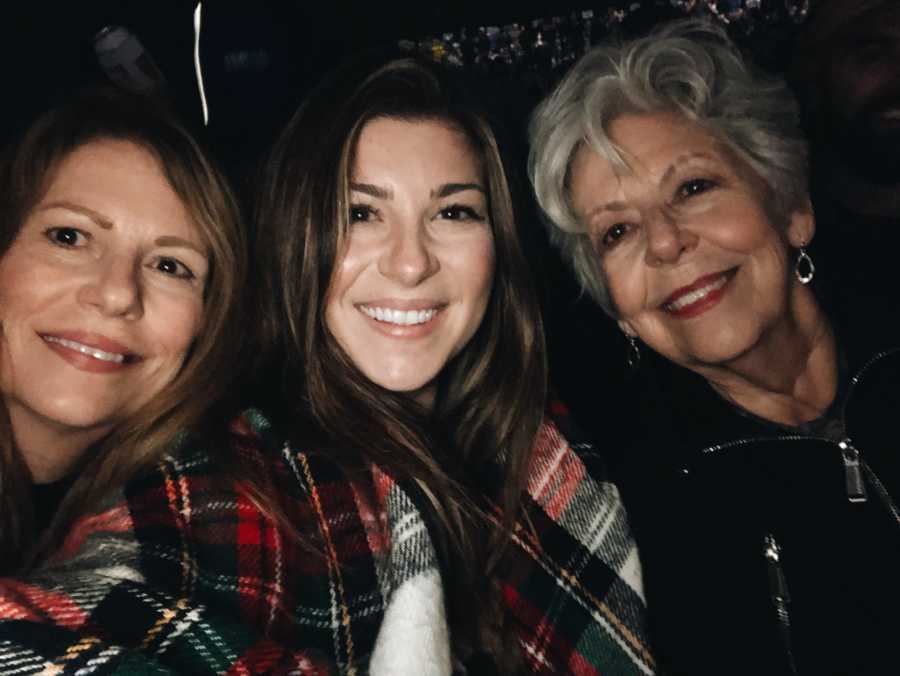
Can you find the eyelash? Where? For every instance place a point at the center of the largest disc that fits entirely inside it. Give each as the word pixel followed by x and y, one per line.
pixel 182 270
pixel 363 213
pixel 460 212
pixel 694 186
pixel 687 190
pixel 50 234
pixel 607 240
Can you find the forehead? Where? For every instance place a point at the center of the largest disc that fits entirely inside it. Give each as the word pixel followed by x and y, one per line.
pixel 103 156
pixel 123 181
pixel 652 146
pixel 430 145
pixel 648 143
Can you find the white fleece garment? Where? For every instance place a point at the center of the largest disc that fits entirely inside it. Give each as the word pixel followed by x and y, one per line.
pixel 413 639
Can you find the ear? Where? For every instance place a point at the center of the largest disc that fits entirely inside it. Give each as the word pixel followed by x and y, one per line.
pixel 627 329
pixel 802 225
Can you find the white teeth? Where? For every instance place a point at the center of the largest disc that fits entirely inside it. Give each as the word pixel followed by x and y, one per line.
pixel 696 294
pixel 401 317
pixel 84 349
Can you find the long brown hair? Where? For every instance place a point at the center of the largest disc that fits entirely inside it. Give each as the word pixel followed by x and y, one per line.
pixel 490 397
pixel 26 172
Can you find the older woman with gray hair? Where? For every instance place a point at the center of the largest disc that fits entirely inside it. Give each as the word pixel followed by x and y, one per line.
pixel 758 470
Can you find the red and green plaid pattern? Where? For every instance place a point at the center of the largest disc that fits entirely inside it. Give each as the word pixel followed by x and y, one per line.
pixel 574 585
pixel 181 573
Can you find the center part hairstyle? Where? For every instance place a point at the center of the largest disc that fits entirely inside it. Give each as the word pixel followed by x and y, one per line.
pixel 689 68
pixel 490 397
pixel 27 170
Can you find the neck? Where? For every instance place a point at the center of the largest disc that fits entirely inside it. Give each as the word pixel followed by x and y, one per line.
pixel 50 450
pixel 790 375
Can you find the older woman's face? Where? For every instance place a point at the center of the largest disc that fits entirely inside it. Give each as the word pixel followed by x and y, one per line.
pixel 692 261
pixel 414 282
pixel 101 294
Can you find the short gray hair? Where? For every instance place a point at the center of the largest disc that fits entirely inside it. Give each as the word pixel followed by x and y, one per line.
pixel 689 67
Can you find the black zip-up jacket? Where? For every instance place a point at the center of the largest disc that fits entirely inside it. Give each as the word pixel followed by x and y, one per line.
pixel 768 550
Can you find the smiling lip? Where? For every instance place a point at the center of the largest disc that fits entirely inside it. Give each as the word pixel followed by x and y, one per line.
pixel 698 296
pixel 90 351
pixel 403 319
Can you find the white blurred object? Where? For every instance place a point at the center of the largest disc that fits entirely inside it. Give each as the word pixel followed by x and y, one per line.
pixel 198 68
pixel 125 61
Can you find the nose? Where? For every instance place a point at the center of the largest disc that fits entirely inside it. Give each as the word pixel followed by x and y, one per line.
pixel 408 257
pixel 667 240
pixel 114 289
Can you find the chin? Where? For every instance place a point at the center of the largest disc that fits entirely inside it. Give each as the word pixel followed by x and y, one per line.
pixel 80 419
pixel 412 383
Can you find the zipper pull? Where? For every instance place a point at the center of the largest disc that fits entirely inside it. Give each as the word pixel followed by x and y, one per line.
pixel 856 485
pixel 781 597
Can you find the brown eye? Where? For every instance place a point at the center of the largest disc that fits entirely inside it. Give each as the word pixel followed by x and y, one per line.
pixel 174 268
pixel 614 234
pixel 695 186
pixel 66 237
pixel 460 212
pixel 360 213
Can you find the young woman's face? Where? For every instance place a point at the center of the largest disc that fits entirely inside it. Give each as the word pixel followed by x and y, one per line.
pixel 101 296
pixel 415 277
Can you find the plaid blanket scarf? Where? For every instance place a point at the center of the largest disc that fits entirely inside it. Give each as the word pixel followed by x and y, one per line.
pixel 180 572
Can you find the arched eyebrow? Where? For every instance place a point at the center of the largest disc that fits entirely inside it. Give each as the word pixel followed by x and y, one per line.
pixel 444 190
pixel 95 216
pixel 106 224
pixel 452 188
pixel 667 175
pixel 173 241
pixel 683 159
pixel 372 190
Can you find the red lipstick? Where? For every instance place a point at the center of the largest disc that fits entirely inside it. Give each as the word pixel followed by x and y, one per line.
pixel 699 296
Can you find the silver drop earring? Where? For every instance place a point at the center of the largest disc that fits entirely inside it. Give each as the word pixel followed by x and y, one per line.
pixel 804 267
pixel 632 353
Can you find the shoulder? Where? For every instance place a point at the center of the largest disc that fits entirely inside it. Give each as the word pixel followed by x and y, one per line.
pixel 189 541
pixel 559 436
pixel 573 582
pixel 567 481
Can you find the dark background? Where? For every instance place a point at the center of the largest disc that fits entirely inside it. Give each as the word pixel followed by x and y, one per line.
pixel 260 58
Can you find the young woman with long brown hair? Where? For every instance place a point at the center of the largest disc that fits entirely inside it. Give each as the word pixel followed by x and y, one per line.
pixel 402 337
pixel 404 505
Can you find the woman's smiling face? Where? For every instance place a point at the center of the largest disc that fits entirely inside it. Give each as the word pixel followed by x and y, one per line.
pixel 415 278
pixel 101 296
pixel 694 265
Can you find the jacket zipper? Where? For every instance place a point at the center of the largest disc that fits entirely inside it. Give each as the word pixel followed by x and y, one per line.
pixel 780 595
pixel 856 486
pixel 854 467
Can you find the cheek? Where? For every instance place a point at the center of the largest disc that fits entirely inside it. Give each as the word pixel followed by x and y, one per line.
pixel 477 268
pixel 625 286
pixel 177 328
pixel 342 280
